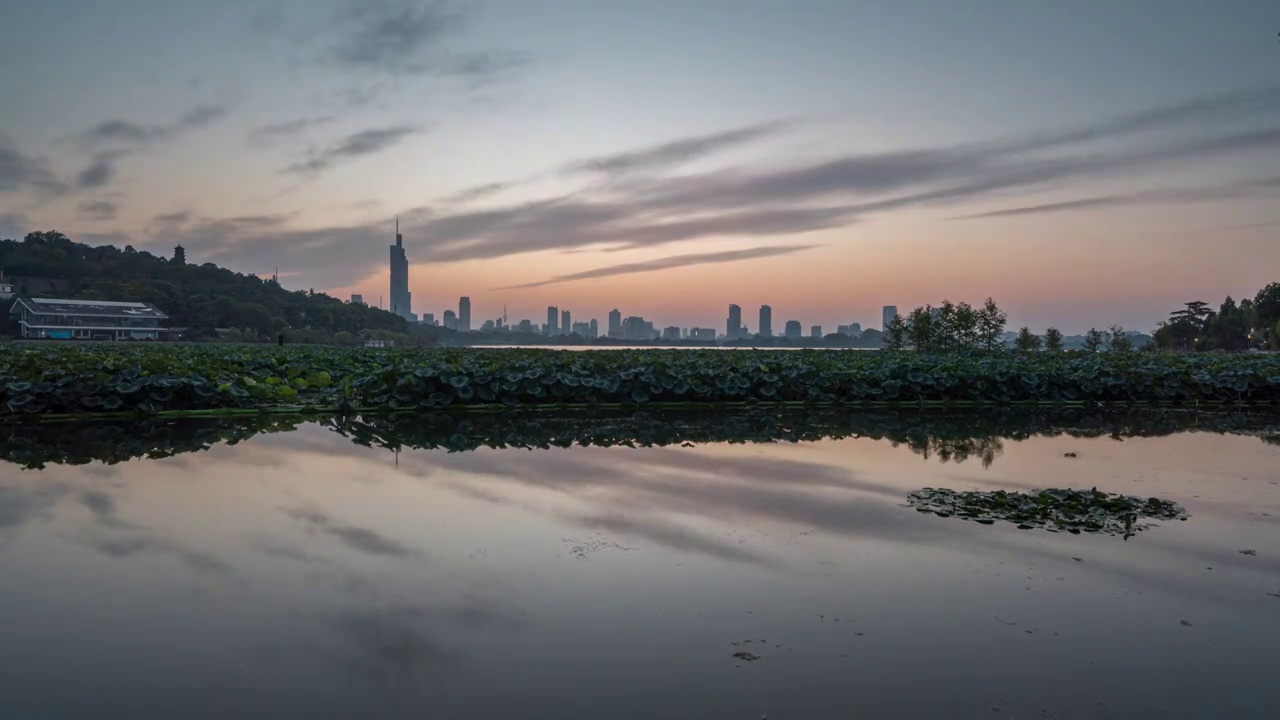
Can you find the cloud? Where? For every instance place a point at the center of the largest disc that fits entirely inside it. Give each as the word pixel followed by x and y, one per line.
pixel 365 142
pixel 19 172
pixel 99 172
pixel 660 157
pixel 646 211
pixel 119 538
pixel 668 263
pixel 117 133
pixel 1232 191
pixel 98 209
pixel 479 192
pixel 265 134
pixel 356 538
pixel 14 225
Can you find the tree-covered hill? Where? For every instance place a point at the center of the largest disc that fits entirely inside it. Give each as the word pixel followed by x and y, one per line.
pixel 199 297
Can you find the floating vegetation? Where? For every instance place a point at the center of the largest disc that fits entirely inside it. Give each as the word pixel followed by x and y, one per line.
pixel 1055 510
pixel 96 379
pixel 944 434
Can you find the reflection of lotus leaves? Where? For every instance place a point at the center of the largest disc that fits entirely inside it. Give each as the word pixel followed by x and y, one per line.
pixel 1054 509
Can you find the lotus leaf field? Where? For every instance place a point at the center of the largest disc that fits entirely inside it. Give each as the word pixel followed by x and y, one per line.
pixel 1055 509
pixel 89 380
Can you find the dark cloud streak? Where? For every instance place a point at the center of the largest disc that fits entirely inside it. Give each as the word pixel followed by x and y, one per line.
pixel 668 263
pixel 365 142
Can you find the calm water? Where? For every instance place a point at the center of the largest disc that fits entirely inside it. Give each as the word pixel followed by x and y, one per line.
pixel 296 574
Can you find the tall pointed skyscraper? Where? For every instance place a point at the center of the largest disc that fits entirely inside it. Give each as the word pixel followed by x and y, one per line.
pixel 401 299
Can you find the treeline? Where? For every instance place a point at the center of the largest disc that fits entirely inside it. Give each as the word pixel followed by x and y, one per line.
pixel 1253 323
pixel 959 327
pixel 202 298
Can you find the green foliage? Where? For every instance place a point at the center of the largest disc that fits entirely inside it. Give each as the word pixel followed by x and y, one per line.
pixel 1053 340
pixel 70 379
pixel 1054 509
pixel 198 297
pixel 1026 341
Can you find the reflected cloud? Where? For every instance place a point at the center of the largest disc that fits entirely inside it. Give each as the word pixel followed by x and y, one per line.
pixel 357 538
pixel 119 538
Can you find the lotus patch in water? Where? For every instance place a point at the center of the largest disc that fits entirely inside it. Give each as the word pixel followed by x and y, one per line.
pixel 1054 509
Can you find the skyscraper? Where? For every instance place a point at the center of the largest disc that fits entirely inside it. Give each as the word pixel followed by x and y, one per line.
pixel 565 325
pixel 464 314
pixel 815 331
pixel 615 323
pixel 766 321
pixel 595 328
pixel 887 316
pixel 401 299
pixel 793 329
pixel 733 328
pixel 553 315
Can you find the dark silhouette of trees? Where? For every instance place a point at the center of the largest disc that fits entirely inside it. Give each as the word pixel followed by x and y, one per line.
pixel 198 297
pixel 1027 341
pixel 1093 341
pixel 1053 340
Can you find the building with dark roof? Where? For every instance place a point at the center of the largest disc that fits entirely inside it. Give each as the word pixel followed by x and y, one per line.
pixel 90 320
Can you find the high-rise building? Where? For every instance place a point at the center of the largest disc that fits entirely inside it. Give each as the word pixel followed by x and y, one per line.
pixel 401 299
pixel 766 321
pixel 428 318
pixel 553 317
pixel 733 327
pixel 488 326
pixel 357 299
pixel 464 314
pixel 702 334
pixel 671 333
pixel 815 331
pixel 887 316
pixel 565 324
pixel 615 323
pixel 524 326
pixel 855 329
pixel 450 320
pixel 793 329
pixel 594 329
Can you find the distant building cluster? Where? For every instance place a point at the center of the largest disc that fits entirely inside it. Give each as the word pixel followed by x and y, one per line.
pixel 560 323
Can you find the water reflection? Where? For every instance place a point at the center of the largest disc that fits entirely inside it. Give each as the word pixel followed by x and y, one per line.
pixel 605 566
pixel 949 436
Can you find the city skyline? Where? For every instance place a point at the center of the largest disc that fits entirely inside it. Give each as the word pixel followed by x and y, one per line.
pixel 667 159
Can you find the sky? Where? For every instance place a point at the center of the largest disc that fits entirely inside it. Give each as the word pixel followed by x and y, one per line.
pixel 1084 163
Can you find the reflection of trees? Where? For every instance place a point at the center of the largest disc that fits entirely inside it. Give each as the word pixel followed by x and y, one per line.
pixel 948 435
pixel 957 449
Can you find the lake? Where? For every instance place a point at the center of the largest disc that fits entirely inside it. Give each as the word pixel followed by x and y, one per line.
pixel 537 566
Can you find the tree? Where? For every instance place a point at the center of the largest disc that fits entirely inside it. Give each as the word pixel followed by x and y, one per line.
pixel 920 329
pixel 1093 340
pixel 1118 340
pixel 1266 305
pixel 964 326
pixel 1053 340
pixel 895 335
pixel 1027 341
pixel 990 326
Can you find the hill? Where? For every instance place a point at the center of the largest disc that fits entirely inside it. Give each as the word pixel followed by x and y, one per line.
pixel 199 297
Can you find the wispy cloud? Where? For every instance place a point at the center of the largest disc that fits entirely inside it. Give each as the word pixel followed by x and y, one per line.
pixel 20 171
pixel 1233 191
pixel 668 263
pixel 665 155
pixel 100 171
pixel 265 134
pixel 397 38
pixel 365 142
pixel 117 133
pixel 650 210
pixel 98 209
